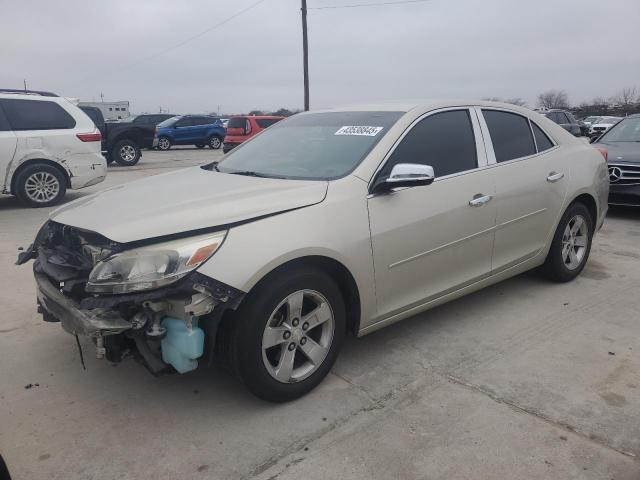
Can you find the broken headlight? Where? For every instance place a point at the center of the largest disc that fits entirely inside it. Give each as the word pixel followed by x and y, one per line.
pixel 153 266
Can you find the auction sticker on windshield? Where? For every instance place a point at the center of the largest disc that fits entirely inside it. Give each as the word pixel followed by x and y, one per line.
pixel 359 130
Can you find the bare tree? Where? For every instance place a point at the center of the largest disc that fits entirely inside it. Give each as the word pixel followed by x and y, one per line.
pixel 519 101
pixel 513 101
pixel 553 99
pixel 626 99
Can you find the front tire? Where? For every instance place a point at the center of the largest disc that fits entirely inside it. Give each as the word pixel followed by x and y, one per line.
pixel 214 142
pixel 40 185
pixel 571 244
pixel 287 334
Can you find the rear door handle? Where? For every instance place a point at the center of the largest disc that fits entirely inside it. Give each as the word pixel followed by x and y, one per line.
pixel 554 177
pixel 479 200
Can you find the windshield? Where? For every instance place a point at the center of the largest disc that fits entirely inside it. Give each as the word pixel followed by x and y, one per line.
pixel 316 146
pixel 626 131
pixel 608 121
pixel 169 121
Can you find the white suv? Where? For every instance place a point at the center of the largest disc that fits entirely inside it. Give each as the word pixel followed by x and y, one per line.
pixel 47 145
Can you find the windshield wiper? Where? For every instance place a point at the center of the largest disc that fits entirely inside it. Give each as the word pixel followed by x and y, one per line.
pixel 249 173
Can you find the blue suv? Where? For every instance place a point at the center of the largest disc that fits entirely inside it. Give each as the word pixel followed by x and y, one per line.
pixel 198 130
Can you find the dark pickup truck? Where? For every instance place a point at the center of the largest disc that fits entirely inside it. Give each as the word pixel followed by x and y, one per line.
pixel 122 142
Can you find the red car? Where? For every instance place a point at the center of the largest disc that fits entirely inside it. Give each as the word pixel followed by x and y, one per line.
pixel 242 128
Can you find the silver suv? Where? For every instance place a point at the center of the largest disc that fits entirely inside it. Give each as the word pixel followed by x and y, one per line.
pixel 327 224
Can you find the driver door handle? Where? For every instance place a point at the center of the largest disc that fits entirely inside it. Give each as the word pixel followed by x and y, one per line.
pixel 479 200
pixel 554 177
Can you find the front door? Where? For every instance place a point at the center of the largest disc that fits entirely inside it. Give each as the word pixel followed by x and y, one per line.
pixel 531 177
pixel 430 240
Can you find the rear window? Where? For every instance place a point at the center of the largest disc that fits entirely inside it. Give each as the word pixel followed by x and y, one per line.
pixel 93 115
pixel 237 122
pixel 542 140
pixel 266 122
pixel 36 115
pixel 510 135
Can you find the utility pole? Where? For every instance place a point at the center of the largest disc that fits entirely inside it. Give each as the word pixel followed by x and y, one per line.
pixel 24 80
pixel 305 55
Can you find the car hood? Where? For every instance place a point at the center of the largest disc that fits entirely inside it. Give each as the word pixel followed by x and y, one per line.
pixel 185 200
pixel 621 152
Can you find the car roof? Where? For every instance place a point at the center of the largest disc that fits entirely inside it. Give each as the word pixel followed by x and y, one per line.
pixel 406 107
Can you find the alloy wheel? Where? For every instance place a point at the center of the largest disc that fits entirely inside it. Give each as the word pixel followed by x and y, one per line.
pixel 127 153
pixel 574 242
pixel 42 187
pixel 298 336
pixel 215 143
pixel 163 144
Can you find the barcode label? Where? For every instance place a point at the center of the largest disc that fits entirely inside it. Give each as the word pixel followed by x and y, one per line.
pixel 359 130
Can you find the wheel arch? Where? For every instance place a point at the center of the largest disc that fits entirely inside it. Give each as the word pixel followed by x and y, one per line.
pixel 588 201
pixel 337 271
pixel 37 161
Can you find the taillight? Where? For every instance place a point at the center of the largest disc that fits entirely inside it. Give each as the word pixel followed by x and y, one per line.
pixel 94 136
pixel 604 153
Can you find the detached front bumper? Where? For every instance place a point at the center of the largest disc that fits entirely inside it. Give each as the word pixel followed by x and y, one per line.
pixel 76 321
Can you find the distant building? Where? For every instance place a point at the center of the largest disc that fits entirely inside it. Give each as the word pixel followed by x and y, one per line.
pixel 110 110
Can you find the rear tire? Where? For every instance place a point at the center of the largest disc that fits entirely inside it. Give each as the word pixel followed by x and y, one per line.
pixel 164 143
pixel 200 145
pixel 40 185
pixel 214 142
pixel 126 153
pixel 267 309
pixel 571 244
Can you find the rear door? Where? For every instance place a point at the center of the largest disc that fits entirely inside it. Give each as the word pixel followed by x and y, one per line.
pixel 201 127
pixel 431 240
pixel 531 177
pixel 7 149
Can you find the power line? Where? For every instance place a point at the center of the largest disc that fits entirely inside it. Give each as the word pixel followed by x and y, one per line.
pixel 185 41
pixel 376 4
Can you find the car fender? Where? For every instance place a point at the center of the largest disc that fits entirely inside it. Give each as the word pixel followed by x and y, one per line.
pixel 337 228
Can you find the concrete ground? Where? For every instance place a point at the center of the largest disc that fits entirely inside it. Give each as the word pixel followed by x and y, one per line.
pixel 524 380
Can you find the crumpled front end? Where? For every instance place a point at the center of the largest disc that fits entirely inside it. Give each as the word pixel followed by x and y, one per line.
pixel 173 326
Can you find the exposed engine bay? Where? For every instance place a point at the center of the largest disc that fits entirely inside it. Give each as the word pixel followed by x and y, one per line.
pixel 170 326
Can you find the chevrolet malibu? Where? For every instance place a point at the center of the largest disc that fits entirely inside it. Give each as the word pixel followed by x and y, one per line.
pixel 328 224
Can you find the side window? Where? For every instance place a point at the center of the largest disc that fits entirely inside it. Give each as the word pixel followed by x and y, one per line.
pixel 266 122
pixel 510 135
pixel 185 122
pixel 542 140
pixel 563 117
pixel 4 124
pixel 36 115
pixel 443 140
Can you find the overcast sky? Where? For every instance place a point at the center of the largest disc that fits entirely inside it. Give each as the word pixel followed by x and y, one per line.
pixel 438 48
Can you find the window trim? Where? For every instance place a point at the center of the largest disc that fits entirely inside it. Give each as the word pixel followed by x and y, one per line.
pixel 481 156
pixel 489 141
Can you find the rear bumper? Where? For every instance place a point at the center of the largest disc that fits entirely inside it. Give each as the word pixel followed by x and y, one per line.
pixel 85 170
pixel 74 320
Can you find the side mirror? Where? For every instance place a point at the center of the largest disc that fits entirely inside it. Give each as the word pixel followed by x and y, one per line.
pixel 406 175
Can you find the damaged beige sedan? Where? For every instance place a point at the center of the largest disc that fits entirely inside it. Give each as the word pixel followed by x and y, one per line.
pixel 328 224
